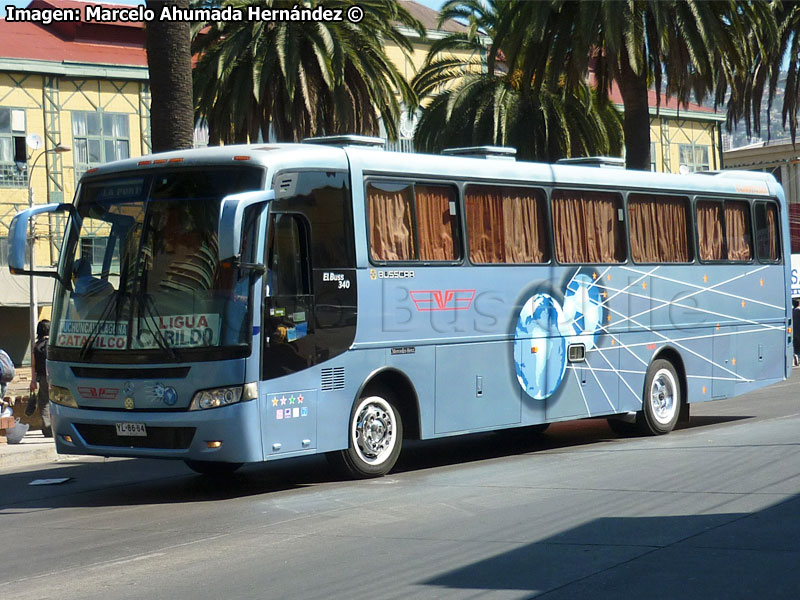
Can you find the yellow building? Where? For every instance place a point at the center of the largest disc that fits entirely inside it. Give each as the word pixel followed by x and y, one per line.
pixel 78 85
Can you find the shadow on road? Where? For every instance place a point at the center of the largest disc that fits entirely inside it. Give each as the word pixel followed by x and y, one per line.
pixel 735 555
pixel 145 481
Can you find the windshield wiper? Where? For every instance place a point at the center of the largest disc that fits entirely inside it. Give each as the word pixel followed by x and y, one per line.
pixel 144 302
pixel 88 343
pixel 147 307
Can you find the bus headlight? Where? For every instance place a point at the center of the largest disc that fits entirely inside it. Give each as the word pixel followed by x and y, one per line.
pixel 62 396
pixel 223 396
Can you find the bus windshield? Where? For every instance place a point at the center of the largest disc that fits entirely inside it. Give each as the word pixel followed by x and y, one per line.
pixel 142 259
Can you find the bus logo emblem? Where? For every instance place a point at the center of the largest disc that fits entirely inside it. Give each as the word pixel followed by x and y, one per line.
pixel 432 300
pixel 129 403
pixel 93 393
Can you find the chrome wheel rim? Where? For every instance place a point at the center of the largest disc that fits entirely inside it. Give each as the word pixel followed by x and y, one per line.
pixel 663 396
pixel 373 430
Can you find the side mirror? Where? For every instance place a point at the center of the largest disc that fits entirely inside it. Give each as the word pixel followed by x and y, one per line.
pixel 231 215
pixel 18 238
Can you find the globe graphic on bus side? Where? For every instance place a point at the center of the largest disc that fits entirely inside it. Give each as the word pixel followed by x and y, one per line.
pixel 540 351
pixel 582 312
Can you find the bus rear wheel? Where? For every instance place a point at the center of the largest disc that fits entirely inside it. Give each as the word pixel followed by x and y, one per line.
pixel 661 402
pixel 375 437
pixel 209 467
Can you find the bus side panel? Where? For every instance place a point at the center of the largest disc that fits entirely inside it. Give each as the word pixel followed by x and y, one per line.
pixel 589 388
pixel 335 405
pixel 416 363
pixel 475 389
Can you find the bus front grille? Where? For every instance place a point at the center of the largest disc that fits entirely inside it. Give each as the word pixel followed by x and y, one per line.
pixel 168 438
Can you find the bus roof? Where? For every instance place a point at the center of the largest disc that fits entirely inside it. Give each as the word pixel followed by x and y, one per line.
pixel 376 161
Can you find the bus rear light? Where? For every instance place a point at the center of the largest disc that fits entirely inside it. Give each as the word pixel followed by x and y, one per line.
pixel 92 170
pixel 241 158
pixel 175 160
pixel 142 163
pixel 159 161
pixel 67 438
pixel 214 444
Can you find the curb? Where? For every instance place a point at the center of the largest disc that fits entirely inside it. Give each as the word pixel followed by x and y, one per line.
pixel 34 450
pixel 27 457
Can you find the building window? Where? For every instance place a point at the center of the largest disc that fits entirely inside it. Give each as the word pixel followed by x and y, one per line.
pixel 653 167
pixel 694 157
pixel 99 137
pixel 13 157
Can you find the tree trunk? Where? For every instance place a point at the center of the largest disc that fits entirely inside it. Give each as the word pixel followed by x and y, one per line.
pixel 169 60
pixel 636 120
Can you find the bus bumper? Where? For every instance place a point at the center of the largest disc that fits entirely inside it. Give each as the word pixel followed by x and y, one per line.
pixel 226 434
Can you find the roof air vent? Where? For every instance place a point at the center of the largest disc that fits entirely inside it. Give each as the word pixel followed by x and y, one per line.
pixel 491 152
pixel 347 140
pixel 605 162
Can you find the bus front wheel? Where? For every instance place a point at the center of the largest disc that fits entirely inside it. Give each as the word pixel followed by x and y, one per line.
pixel 375 437
pixel 209 467
pixel 661 402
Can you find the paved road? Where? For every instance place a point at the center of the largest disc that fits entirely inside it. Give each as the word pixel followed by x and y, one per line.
pixel 711 511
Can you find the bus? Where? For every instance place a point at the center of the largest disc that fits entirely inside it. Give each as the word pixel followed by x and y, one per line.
pixel 242 304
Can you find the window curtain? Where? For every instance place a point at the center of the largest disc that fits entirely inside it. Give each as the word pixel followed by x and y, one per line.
pixel 391 232
pixel 737 230
pixel 586 227
pixel 709 230
pixel 505 225
pixel 435 224
pixel 485 226
pixel 772 233
pixel 658 229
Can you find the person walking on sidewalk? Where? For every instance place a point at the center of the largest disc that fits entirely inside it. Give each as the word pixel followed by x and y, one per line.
pixel 39 375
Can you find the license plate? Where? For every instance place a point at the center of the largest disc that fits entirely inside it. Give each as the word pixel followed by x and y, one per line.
pixel 131 429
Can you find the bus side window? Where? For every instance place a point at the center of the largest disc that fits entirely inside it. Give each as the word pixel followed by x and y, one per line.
pixel 659 228
pixel 413 221
pixel 288 256
pixel 767 235
pixel 290 344
pixel 506 225
pixel 588 227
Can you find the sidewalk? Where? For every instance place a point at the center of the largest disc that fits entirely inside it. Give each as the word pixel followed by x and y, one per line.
pixel 32 450
pixel 34 447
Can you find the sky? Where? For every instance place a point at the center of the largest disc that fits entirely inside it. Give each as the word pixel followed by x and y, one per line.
pixel 434 4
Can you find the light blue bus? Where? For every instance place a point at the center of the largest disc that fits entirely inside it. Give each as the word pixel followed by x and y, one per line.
pixel 241 304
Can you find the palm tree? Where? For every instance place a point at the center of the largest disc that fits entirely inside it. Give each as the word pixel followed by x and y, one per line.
pixel 773 43
pixel 170 66
pixel 683 48
pixel 301 78
pixel 465 104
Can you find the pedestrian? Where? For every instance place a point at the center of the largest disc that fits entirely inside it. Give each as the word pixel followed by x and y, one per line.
pixel 39 375
pixel 6 373
pixel 795 334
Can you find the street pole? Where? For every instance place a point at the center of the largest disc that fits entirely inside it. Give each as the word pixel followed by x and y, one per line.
pixel 34 305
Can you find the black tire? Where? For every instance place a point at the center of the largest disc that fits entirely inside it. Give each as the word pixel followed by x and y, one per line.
pixel 375 434
pixel 622 428
pixel 208 467
pixel 537 429
pixel 661 399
